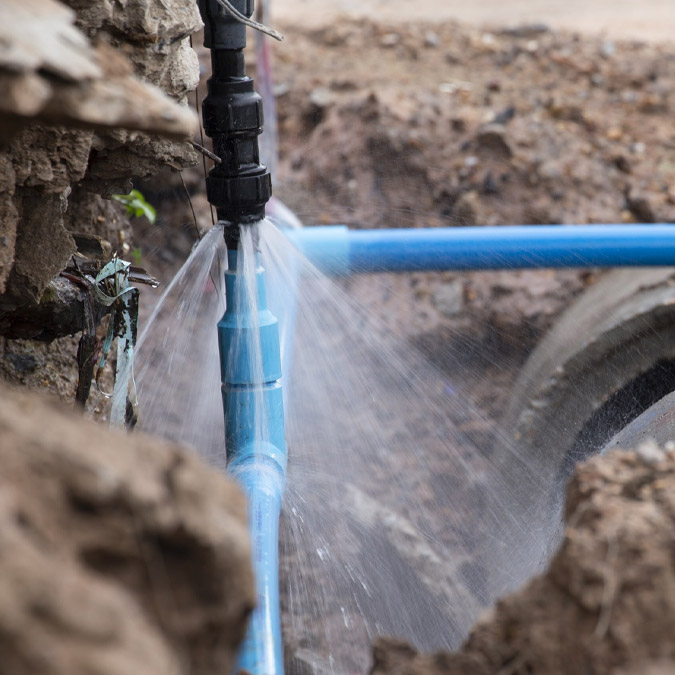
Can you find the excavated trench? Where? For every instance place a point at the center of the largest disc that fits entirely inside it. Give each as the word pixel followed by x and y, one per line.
pixel 552 128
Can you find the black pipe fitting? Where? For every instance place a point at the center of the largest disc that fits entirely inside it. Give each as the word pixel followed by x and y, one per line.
pixel 221 29
pixel 238 187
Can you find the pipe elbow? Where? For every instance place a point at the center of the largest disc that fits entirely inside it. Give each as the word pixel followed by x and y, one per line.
pixel 259 467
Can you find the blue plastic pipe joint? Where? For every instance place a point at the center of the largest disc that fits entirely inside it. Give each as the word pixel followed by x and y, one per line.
pixel 256 451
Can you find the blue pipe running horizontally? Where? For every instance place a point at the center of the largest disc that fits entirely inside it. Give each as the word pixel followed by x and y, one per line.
pixel 256 449
pixel 335 249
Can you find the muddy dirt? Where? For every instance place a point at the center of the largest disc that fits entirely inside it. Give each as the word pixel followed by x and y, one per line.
pixel 606 604
pixel 119 554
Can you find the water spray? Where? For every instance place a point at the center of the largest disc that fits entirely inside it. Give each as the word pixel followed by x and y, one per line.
pixel 239 187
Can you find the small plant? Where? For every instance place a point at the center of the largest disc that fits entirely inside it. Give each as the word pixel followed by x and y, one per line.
pixel 137 206
pixel 137 255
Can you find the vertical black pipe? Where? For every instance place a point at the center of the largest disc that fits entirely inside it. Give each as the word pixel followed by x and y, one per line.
pixel 232 111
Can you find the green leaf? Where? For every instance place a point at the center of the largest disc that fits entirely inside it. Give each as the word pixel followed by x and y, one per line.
pixel 137 206
pixel 137 255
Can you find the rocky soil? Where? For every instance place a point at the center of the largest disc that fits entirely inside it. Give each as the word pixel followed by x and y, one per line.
pixel 606 604
pixel 431 125
pixel 119 554
pixel 87 93
pixel 53 176
pixel 527 125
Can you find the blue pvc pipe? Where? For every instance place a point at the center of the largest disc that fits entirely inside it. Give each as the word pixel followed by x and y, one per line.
pixel 256 453
pixel 337 250
pixel 282 295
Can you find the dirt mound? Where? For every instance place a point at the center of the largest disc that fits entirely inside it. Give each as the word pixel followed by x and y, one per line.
pixel 394 125
pixel 440 124
pixel 118 553
pixel 606 604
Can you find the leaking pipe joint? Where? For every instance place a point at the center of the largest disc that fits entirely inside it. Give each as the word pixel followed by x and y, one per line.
pixel 239 187
pixel 256 452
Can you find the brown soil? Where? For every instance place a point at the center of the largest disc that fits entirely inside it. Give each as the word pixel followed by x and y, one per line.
pixel 119 554
pixel 606 604
pixel 646 20
pixel 438 124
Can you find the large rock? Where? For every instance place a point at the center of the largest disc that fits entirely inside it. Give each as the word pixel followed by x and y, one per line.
pixel 607 603
pixel 86 90
pixel 50 72
pixel 119 553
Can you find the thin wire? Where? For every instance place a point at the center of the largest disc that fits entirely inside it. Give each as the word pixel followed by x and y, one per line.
pixel 206 152
pixel 201 138
pixel 194 215
pixel 199 235
pixel 242 18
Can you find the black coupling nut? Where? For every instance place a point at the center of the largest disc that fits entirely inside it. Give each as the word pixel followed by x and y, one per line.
pixel 232 107
pixel 239 199
pixel 239 186
pixel 221 29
